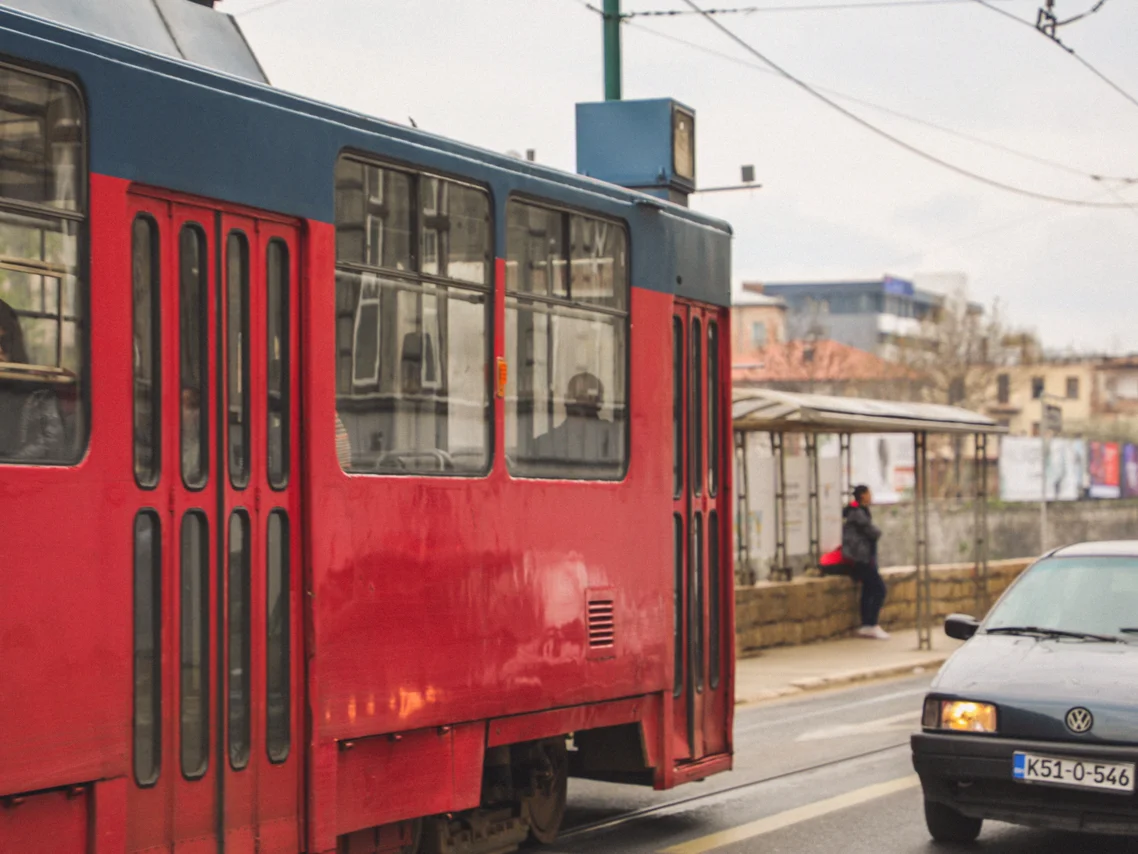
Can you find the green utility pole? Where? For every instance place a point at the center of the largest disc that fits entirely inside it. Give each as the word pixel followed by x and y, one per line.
pixel 612 49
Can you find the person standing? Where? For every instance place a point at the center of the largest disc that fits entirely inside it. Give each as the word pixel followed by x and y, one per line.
pixel 859 547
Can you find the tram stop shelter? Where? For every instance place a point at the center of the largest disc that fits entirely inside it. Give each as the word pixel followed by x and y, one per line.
pixel 778 413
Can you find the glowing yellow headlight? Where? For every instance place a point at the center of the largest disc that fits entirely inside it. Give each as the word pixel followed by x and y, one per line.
pixel 966 716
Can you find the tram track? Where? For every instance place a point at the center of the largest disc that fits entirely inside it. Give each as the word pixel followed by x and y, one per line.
pixel 622 819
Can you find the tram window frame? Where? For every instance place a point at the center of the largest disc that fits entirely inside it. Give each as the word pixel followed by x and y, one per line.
pixel 557 301
pixel 280 448
pixel 278 732
pixel 198 231
pixel 153 628
pixel 239 640
pixel 149 476
pixel 386 291
pixel 71 218
pixel 238 433
pixel 203 648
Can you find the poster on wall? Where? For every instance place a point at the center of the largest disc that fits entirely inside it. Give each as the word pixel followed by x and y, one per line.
pixel 1021 468
pixel 885 463
pixel 1130 471
pixel 1105 459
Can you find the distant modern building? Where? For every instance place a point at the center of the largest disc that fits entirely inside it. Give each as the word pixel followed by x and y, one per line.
pixel 875 315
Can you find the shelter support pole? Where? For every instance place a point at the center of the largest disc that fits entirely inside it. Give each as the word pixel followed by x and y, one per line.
pixel 744 568
pixel 980 480
pixel 846 463
pixel 921 562
pixel 814 503
pixel 780 569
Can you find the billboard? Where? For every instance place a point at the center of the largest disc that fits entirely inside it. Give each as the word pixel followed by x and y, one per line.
pixel 1105 470
pixel 1021 468
pixel 1130 471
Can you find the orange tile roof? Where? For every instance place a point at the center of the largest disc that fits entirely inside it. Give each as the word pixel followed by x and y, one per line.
pixel 832 360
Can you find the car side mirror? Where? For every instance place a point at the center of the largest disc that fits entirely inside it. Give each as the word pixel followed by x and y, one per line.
pixel 960 626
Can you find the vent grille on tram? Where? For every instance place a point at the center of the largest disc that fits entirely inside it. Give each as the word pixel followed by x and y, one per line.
pixel 602 628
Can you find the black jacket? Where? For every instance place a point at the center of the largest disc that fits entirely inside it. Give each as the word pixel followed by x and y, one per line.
pixel 859 535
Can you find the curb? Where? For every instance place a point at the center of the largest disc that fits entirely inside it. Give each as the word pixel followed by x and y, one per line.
pixel 848 677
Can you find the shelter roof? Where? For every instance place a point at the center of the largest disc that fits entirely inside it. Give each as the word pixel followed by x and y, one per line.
pixel 787 412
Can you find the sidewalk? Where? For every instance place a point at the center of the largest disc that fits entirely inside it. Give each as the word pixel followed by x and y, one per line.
pixel 783 671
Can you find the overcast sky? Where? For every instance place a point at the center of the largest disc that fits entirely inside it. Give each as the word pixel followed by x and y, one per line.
pixel 837 201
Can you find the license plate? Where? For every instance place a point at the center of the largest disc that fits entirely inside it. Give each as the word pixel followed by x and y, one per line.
pixel 1068 771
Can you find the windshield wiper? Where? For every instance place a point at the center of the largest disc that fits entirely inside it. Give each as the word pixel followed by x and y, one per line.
pixel 1053 633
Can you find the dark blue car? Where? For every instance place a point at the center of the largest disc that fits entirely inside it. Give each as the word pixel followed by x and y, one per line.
pixel 1035 720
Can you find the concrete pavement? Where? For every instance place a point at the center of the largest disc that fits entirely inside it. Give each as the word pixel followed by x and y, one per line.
pixel 786 671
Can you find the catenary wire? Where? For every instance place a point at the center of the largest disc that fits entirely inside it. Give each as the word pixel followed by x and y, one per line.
pixel 817 7
pixel 889 110
pixel 912 149
pixel 1085 63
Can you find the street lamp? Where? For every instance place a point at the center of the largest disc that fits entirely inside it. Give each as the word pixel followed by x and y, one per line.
pixel 1050 419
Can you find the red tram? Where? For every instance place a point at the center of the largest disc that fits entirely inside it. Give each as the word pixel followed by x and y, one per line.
pixel 358 486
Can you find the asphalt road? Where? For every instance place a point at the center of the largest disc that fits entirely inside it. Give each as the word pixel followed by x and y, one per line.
pixel 817 775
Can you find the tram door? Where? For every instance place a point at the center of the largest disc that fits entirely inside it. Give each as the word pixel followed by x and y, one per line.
pixel 701 709
pixel 218 755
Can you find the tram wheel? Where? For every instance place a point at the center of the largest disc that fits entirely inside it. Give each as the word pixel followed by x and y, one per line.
pixel 544 808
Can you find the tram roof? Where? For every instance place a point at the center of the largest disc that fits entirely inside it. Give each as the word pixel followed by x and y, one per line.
pixel 772 411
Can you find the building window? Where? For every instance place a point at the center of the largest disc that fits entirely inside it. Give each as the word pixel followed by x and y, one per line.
pixel 1004 388
pixel 567 292
pixel 1072 388
pixel 1036 388
pixel 413 262
pixel 758 334
pixel 43 180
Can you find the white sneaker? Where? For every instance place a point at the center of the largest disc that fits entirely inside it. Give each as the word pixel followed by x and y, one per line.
pixel 865 632
pixel 873 633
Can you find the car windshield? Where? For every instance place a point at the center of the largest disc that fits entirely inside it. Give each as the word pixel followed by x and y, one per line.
pixel 1084 595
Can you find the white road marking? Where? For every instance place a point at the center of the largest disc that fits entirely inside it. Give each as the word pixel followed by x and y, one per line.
pixel 792 817
pixel 903 720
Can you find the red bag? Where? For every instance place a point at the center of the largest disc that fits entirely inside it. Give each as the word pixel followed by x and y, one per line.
pixel 832 563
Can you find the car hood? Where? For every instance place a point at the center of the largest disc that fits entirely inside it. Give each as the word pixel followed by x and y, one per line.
pixel 1034 682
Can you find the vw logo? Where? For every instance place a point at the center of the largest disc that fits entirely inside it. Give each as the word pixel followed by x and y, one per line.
pixel 1080 720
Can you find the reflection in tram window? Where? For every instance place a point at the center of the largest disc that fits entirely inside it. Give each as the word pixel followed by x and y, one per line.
pixel 147 648
pixel 237 357
pixel 146 352
pixel 239 677
pixel 277 285
pixel 278 637
pixel 42 298
pixel 566 397
pixel 193 297
pixel 412 386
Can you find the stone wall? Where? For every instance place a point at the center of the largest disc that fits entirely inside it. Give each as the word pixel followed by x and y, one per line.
pixel 773 613
pixel 1013 529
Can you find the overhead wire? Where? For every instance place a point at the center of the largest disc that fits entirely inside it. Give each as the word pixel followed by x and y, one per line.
pixel 745 63
pixel 816 7
pixel 1082 61
pixel 895 140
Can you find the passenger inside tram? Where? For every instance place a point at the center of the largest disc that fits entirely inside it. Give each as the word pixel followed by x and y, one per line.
pixel 31 428
pixel 583 435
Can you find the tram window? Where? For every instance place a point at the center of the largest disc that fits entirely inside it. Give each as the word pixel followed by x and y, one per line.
pixel 695 602
pixel 147 648
pixel 237 357
pixel 412 346
pixel 195 710
pixel 43 346
pixel 373 216
pixel 695 437
pixel 714 606
pixel 146 353
pixel 566 343
pixel 678 603
pixel 712 408
pixel 454 238
pixel 278 622
pixel 279 386
pixel 194 293
pixel 238 583
pixel 678 455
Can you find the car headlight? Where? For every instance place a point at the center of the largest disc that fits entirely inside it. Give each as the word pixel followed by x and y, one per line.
pixel 959 715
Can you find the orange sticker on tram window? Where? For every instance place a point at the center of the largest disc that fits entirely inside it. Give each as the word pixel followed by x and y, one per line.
pixel 503 376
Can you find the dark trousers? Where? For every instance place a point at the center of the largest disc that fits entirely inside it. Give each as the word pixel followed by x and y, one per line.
pixel 872 592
